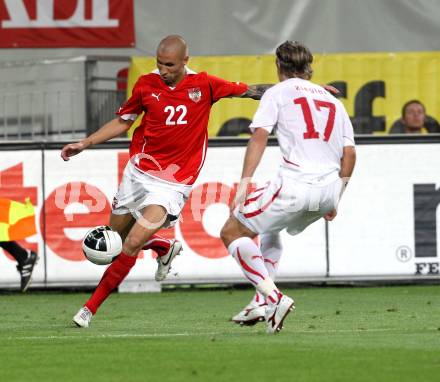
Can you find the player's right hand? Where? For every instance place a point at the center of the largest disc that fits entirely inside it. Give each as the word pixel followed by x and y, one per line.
pixel 71 149
pixel 329 216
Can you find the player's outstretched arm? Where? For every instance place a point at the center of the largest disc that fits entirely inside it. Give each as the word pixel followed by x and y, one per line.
pixel 110 130
pixel 331 89
pixel 256 91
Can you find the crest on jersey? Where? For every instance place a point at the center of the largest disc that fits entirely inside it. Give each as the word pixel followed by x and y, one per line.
pixel 195 94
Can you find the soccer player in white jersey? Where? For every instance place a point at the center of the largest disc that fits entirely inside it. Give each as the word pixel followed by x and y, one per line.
pixel 318 156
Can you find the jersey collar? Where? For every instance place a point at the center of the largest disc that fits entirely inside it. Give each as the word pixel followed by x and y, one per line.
pixel 188 71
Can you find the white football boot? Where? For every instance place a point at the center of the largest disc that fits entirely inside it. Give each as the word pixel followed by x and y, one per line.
pixel 276 313
pixel 251 314
pixel 164 262
pixel 83 317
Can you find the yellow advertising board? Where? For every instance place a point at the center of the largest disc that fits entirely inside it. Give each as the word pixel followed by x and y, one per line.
pixel 374 86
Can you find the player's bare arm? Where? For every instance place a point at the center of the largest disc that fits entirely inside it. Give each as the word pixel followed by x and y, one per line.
pixel 254 151
pixel 331 89
pixel 256 91
pixel 110 130
pixel 348 162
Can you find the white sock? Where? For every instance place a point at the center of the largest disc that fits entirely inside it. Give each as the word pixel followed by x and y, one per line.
pixel 271 248
pixel 258 299
pixel 249 258
pixel 269 290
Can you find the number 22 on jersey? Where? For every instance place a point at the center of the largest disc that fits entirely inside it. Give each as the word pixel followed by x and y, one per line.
pixel 176 116
pixel 311 133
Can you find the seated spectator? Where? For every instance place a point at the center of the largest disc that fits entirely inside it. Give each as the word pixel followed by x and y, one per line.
pixel 414 120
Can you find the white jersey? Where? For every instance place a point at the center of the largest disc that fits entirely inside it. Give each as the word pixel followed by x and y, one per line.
pixel 312 128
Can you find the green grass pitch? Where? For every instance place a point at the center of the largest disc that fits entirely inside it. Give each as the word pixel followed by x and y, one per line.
pixel 335 334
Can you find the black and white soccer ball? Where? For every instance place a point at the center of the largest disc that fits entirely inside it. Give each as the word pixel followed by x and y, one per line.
pixel 101 245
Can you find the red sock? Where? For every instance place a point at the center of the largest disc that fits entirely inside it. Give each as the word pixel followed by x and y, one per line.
pixel 158 244
pixel 112 277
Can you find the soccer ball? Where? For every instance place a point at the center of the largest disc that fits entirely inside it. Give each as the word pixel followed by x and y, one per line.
pixel 101 245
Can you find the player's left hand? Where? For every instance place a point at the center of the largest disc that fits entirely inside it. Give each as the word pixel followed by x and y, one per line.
pixel 329 216
pixel 240 196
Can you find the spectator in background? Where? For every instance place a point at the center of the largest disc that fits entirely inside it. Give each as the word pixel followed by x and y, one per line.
pixel 26 260
pixel 414 120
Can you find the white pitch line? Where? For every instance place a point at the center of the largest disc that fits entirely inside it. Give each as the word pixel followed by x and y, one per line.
pixel 126 335
pixel 186 334
pixel 377 330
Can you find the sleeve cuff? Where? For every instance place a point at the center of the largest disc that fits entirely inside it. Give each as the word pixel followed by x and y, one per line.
pixel 128 117
pixel 349 141
pixel 268 128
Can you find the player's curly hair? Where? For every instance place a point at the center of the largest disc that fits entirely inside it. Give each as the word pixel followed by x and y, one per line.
pixel 294 60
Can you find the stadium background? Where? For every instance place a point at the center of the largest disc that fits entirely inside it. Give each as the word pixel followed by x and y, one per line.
pixel 61 94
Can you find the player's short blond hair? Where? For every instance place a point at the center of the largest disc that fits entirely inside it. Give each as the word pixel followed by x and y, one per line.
pixel 294 60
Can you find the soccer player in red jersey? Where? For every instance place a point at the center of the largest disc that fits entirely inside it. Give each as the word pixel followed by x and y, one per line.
pixel 167 152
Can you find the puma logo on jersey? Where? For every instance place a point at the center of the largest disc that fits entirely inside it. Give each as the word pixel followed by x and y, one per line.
pixel 156 96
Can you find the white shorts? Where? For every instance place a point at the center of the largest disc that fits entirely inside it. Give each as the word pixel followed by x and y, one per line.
pixel 138 190
pixel 288 203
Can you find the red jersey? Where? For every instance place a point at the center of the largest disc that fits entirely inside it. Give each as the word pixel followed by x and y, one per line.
pixel 171 141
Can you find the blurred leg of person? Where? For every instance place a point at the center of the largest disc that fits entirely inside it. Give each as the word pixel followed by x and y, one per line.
pixel 26 260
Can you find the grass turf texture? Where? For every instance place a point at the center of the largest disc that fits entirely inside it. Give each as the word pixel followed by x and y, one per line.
pixel 335 334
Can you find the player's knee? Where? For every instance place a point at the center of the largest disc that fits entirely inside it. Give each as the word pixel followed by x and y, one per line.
pixel 226 232
pixel 231 230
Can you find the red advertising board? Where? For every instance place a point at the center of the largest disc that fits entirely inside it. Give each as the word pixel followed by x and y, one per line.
pixel 72 197
pixel 66 23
